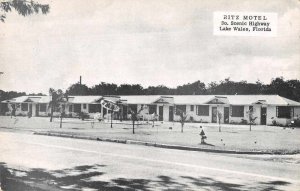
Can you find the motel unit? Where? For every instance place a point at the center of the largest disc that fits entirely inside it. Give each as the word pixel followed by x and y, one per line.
pixel 266 109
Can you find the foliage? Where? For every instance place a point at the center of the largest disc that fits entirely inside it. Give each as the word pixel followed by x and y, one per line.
pixel 22 7
pixel 134 115
pixel 182 117
pixel 10 94
pixel 78 89
pixel 251 117
pixel 286 88
pixel 57 97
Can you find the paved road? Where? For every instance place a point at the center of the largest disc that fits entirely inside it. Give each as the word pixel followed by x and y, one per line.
pixel 90 165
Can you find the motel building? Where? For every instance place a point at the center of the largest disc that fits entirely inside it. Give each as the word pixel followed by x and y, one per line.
pixel 229 109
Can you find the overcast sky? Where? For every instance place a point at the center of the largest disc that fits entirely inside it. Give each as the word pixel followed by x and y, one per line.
pixel 145 42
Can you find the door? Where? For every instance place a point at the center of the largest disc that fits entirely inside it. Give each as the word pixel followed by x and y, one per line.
pixel 124 112
pixel 37 106
pixel 263 116
pixel 30 110
pixel 171 113
pixel 214 115
pixel 226 115
pixel 161 113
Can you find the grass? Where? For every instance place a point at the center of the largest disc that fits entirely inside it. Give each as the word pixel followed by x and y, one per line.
pixel 232 137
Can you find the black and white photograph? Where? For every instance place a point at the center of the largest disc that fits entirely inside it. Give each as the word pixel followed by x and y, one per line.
pixel 149 95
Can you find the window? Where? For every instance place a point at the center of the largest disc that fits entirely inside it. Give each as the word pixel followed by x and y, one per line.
pixel 77 108
pixel 203 110
pixel 237 111
pixel 70 108
pixel 133 107
pixel 180 108
pixel 152 109
pixel 43 107
pixel 283 112
pixel 192 108
pixel 250 108
pixel 94 108
pixel 24 106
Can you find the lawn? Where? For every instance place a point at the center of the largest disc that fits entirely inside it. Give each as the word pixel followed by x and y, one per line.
pixel 231 137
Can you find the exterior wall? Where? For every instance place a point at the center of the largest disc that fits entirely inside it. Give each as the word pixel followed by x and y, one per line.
pixel 296 112
pixel 166 112
pixel 271 116
pixel 198 118
pixel 239 119
pixel 257 113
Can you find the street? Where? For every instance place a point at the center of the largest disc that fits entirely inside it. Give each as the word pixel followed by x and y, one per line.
pixel 91 165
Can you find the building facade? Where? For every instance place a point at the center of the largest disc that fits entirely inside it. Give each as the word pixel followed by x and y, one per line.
pixel 233 109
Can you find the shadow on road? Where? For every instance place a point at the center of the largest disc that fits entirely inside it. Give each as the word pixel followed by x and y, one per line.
pixel 85 177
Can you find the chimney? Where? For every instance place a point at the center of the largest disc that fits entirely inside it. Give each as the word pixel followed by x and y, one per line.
pixel 80 80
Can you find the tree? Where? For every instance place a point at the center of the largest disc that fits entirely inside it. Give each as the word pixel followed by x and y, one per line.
pixel 22 7
pixel 78 89
pixel 134 115
pixel 57 96
pixel 250 114
pixel 219 117
pixel 183 117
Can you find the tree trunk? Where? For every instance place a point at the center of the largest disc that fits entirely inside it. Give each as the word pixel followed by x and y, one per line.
pixel 133 127
pixel 60 124
pixel 219 126
pixel 182 127
pixel 51 114
pixel 111 116
pixel 250 126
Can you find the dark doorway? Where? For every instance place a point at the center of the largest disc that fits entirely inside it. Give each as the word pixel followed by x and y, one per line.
pixel 30 108
pixel 124 112
pixel 37 106
pixel 161 113
pixel 226 115
pixel 171 113
pixel 263 116
pixel 214 114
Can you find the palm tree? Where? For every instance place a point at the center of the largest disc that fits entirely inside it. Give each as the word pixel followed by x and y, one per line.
pixel 134 116
pixel 57 97
pixel 183 117
pixel 250 114
pixel 22 7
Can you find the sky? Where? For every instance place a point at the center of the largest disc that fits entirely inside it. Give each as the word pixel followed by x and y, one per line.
pixel 158 42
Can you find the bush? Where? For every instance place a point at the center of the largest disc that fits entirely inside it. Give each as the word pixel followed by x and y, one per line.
pixel 83 116
pixel 274 122
pixel 296 122
pixel 244 122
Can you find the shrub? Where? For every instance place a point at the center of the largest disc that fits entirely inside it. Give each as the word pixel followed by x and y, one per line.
pixel 244 122
pixel 83 115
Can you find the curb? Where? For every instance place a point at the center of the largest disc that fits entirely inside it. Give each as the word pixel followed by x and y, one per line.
pixel 166 146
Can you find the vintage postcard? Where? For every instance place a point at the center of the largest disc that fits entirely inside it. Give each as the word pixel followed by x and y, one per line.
pixel 149 95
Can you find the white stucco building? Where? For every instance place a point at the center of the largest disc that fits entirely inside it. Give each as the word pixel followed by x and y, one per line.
pixel 266 109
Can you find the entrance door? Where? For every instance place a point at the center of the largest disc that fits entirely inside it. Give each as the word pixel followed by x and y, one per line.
pixel 37 106
pixel 214 115
pixel 263 116
pixel 226 115
pixel 30 109
pixel 171 113
pixel 161 113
